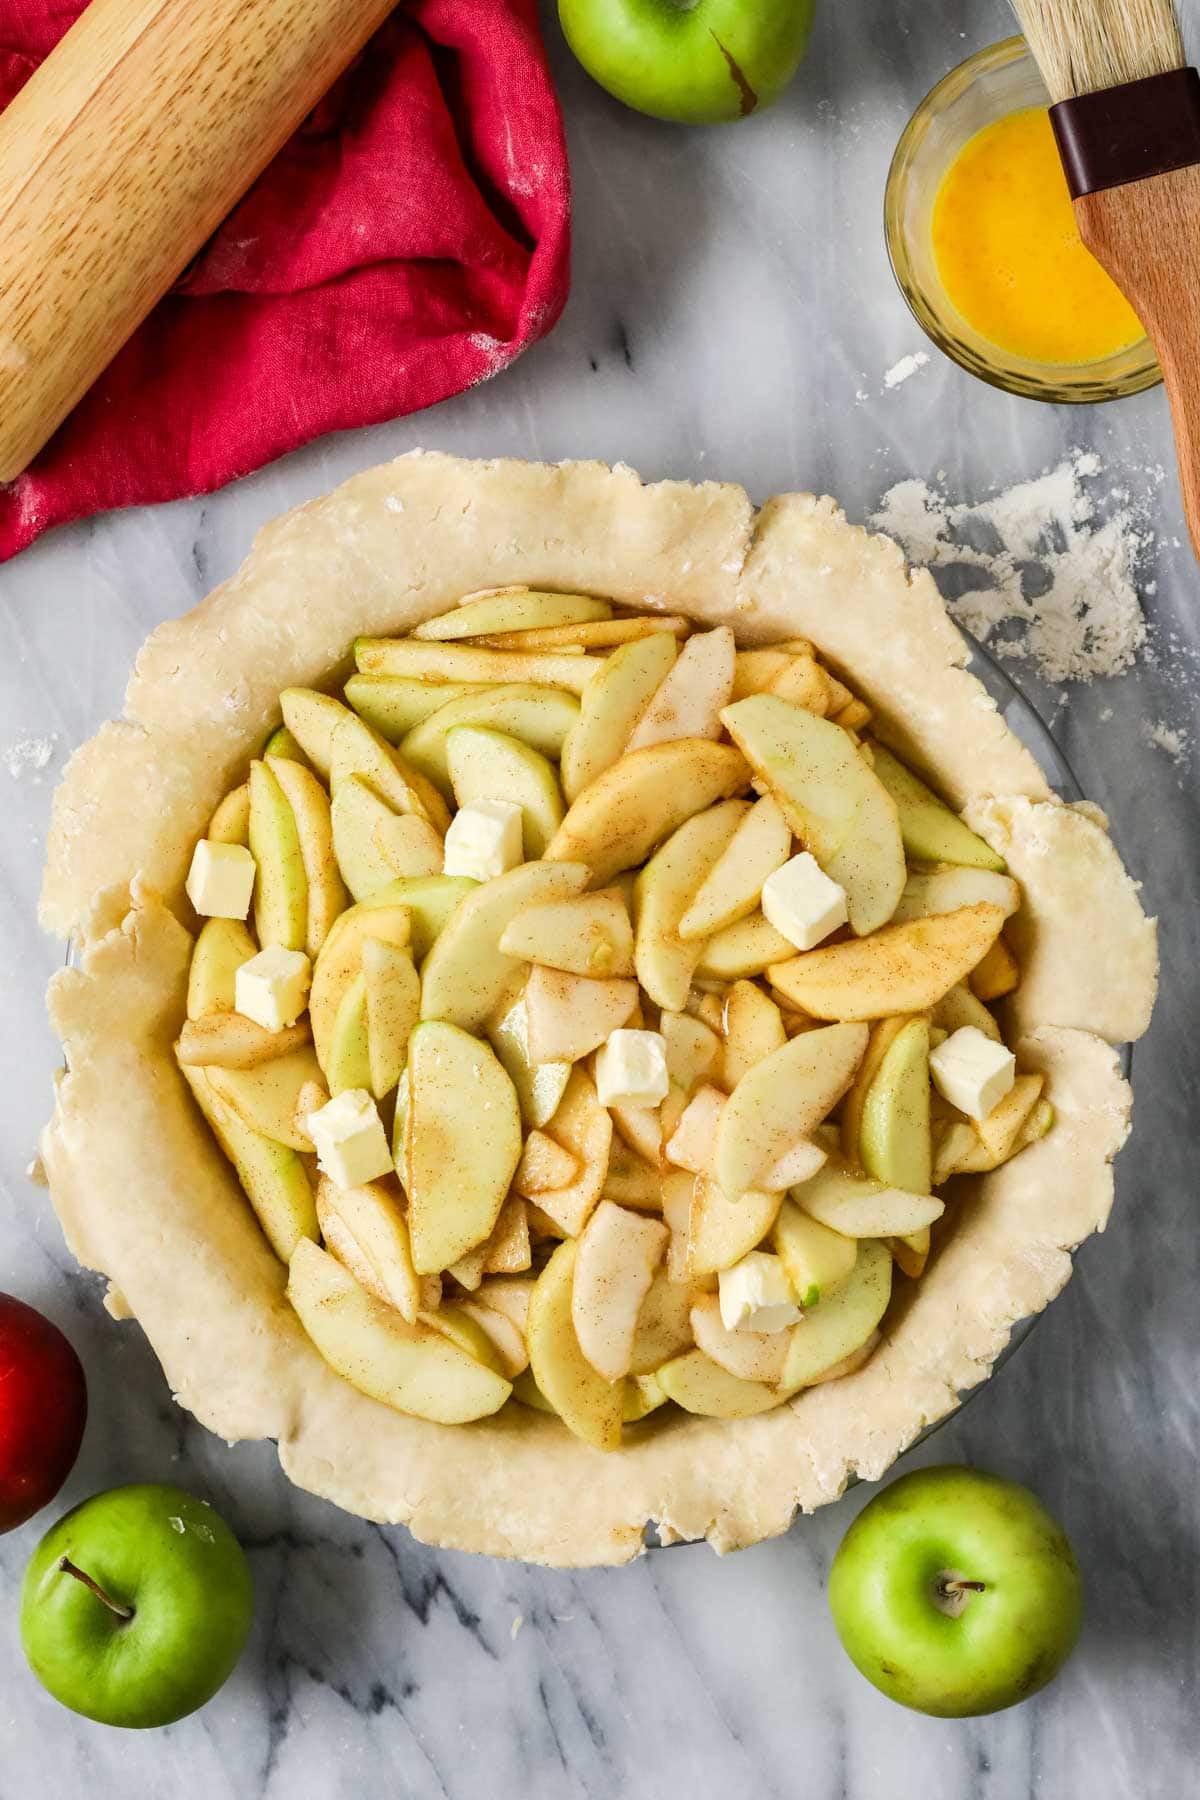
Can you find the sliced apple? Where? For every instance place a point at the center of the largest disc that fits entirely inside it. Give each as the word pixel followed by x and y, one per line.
pixel 798 1164
pixel 265 1097
pixel 612 704
pixel 692 1145
pixel 614 1266
pixel 522 609
pixel 347 1059
pixel 662 893
pixel 280 886
pixel 753 1030
pixel 491 765
pixel 462 1143
pixel 894 1139
pixel 467 1271
pixel 540 1086
pixel 587 1403
pixel 931 832
pixel 357 814
pixel 693 1049
pixel 842 1323
pixel 630 1180
pixel 340 960
pixel 619 818
pixel 699 1385
pixel 597 634
pixel 803 682
pixel 996 973
pixel 689 701
pixel 312 718
pixel 859 1207
pixel 664 1327
pixel 569 1016
pixel 273 1177
pixel 230 824
pixel 754 670
pixel 585 1128
pixel 540 717
pixel 733 886
pixel 883 1034
pixel 744 949
pixel 590 935
pixel 461 662
pixel 677 1192
pixel 750 1355
pixel 327 896
pixel 945 890
pixel 509 1295
pixel 507 1343
pixel 358 750
pixel 641 1128
pixel 723 1227
pixel 544 1165
pixel 1001 1128
pixel 465 975
pixel 228 1040
pixel 393 1006
pixel 395 704
pixel 409 846
pixel 958 1007
pixel 900 969
pixel 816 1259
pixel 830 798
pixel 781 1099
pixel 364 1228
pixel 507 1251
pixel 430 900
pixel 412 1368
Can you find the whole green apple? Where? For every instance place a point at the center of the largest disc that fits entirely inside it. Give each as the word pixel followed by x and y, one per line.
pixel 956 1593
pixel 700 62
pixel 136 1606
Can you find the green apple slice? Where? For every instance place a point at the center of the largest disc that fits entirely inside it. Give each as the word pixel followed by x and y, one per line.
pixel 394 704
pixel 410 846
pixel 461 662
pixel 365 1229
pixel 347 1062
pixel 732 889
pixel 430 901
pixel 641 800
pixel 613 702
pixel 617 1255
pixel 540 1086
pixel 859 1207
pixel 222 946
pixel 327 896
pixel 815 1259
pixel 688 703
pixel 230 824
pixel 843 1321
pixel 491 765
pixel 465 976
pixel 588 1404
pixel 281 746
pixel 540 717
pixel 524 609
pixel 357 750
pixel 701 1386
pixel 595 634
pixel 958 1007
pixel 742 950
pixel 341 960
pixel 830 798
pixel 393 997
pixel 781 1099
pixel 462 1143
pixel 409 1367
pixel 280 886
pixel 265 1097
pixel 945 890
pixel 312 718
pixel 900 969
pixel 931 832
pixel 663 892
pixel 894 1141
pixel 590 935
pixel 358 812
pixel 273 1177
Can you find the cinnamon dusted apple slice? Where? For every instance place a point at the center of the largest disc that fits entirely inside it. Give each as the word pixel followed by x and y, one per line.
pixel 945 890
pixel 830 798
pixel 753 1031
pixel 312 718
pixel 664 1324
pixel 585 1128
pixel 229 1040
pixel 394 705
pixel 959 1007
pixel 465 975
pixel 365 1229
pixel 462 662
pixel 569 1016
pixel 900 969
pixel 688 703
pixel 700 1385
pixel 265 1097
pixel 280 885
pixel 357 815
pixel 326 891
pixel 750 1355
pixel 430 901
pixel 511 609
pixel 693 1049
pixel 590 935
pixel 894 1137
pixel 732 889
pixel 611 706
pixel 816 1259
pixel 743 950
pixel 664 890
pixel 692 1144
pixel 722 1227
pixel 587 1403
pixel 540 1086
pixel 781 1099
pixel 883 1034
pixel 932 833
pixel 507 1344
pixel 630 1180
pixel 798 1164
pixel 642 799
pixel 462 1143
pixel 842 1323
pixel 996 973
pixel 357 750
pixel 544 1165
pixel 507 1251
pixel 617 1255
pixel 230 824
pixel 491 765
pixel 273 1177
pixel 412 1368
pixel 541 717
pixel 596 634
pixel 858 1207
pixel 392 991
pixel 340 961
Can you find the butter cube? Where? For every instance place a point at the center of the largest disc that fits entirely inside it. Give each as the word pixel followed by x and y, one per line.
pixel 756 1295
pixel 484 839
pixel 631 1066
pixel 349 1138
pixel 802 903
pixel 221 880
pixel 972 1071
pixel 272 988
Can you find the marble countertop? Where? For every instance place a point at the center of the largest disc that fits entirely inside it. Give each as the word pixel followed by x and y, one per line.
pixel 733 314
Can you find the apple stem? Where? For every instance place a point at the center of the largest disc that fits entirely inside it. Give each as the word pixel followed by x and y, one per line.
pixel 956 1584
pixel 68 1568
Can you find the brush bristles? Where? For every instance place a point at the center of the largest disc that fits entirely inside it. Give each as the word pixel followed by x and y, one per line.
pixel 1084 45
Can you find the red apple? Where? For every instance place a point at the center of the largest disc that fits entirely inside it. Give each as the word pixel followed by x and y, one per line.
pixel 43 1409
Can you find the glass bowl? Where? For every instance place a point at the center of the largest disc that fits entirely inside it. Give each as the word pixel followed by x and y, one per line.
pixel 991 84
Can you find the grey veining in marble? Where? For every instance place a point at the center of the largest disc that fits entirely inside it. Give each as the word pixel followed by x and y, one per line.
pixel 732 300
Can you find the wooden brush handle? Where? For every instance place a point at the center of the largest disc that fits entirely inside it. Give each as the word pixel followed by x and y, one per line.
pixel 121 156
pixel 1147 235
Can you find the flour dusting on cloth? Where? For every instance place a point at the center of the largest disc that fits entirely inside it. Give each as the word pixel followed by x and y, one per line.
pixel 1039 575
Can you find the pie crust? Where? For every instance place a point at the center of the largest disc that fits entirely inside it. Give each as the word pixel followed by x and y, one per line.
pixel 146 1197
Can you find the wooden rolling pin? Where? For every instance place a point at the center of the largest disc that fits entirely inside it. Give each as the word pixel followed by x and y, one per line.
pixel 121 156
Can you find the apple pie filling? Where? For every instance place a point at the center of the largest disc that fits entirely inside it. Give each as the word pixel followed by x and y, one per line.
pixel 593 1012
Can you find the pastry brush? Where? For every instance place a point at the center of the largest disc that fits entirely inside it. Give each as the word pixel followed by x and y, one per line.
pixel 1126 116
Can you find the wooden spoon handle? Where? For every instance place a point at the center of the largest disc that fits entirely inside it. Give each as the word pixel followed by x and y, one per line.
pixel 121 156
pixel 1147 235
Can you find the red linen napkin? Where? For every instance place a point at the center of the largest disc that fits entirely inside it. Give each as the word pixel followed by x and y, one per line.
pixel 408 242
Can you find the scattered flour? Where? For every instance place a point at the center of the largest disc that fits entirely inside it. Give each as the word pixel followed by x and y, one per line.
pixel 1039 575
pixel 27 755
pixel 908 365
pixel 1170 739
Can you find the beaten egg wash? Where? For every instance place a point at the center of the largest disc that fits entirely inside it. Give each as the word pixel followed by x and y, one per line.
pixel 1010 256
